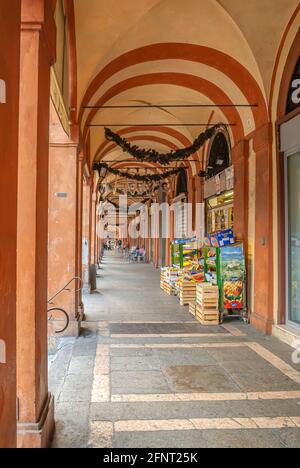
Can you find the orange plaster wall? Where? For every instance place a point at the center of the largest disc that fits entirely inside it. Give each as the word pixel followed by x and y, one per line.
pixel 86 231
pixel 263 304
pixel 32 366
pixel 9 72
pixel 240 155
pixel 62 224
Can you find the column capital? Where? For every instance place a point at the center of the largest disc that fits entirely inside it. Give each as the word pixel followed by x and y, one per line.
pixel 81 153
pixel 238 151
pixel 263 137
pixel 38 15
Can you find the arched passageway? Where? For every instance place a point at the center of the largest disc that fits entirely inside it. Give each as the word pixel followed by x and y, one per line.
pixel 77 202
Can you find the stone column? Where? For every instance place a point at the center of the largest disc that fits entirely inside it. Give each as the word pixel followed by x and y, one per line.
pixel 199 196
pixel 262 318
pixel 93 225
pixel 191 200
pixel 98 238
pixel 35 404
pixel 62 224
pixel 9 113
pixel 240 155
pixel 79 213
pixel 86 230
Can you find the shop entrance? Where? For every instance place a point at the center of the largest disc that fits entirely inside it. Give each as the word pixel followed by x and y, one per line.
pixel 219 211
pixel 290 164
pixel 292 173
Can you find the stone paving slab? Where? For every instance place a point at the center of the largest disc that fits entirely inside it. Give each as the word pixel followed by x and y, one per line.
pixel 139 382
pixel 72 425
pixel 131 293
pixel 162 328
pixel 82 365
pixel 261 381
pixel 121 352
pixel 192 409
pixel 135 363
pixel 202 439
pixel 192 379
pixel 77 390
pixel 171 357
pixel 173 341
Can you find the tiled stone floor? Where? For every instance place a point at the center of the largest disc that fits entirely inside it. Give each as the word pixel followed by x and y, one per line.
pixel 145 374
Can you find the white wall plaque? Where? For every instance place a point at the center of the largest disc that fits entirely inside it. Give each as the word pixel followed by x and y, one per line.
pixel 2 92
pixel 2 352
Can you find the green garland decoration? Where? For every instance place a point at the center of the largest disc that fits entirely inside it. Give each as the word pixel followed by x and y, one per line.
pixel 137 177
pixel 154 156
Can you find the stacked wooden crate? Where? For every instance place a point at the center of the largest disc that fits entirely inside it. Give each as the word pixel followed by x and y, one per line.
pixel 171 277
pixel 207 300
pixel 192 308
pixel 187 292
pixel 169 289
pixel 162 278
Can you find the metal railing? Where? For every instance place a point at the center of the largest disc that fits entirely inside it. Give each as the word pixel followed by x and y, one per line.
pixel 65 288
pixel 58 316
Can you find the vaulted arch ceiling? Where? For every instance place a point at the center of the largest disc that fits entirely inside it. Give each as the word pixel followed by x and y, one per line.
pixel 172 52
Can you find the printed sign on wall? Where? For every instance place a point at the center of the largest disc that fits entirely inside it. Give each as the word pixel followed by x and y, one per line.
pixel 2 352
pixel 2 92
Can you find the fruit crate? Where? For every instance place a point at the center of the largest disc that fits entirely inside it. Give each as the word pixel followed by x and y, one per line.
pixel 207 316
pixel 207 296
pixel 168 289
pixel 207 304
pixel 192 308
pixel 187 292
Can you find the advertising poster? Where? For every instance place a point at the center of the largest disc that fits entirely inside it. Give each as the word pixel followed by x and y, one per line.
pixel 233 276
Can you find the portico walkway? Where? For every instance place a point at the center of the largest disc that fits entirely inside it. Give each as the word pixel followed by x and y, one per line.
pixel 145 374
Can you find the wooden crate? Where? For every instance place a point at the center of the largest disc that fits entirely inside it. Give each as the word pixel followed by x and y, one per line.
pixel 207 304
pixel 207 296
pixel 187 292
pixel 168 289
pixel 192 308
pixel 162 278
pixel 207 317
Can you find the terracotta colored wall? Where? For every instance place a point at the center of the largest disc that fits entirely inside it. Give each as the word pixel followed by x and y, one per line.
pixel 62 227
pixel 263 281
pixel 240 155
pixel 93 237
pixel 9 72
pixel 33 230
pixel 262 287
pixel 37 53
pixel 86 230
pixel 79 191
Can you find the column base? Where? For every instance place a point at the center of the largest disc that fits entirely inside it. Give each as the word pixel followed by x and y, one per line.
pixel 73 330
pixel 262 324
pixel 40 434
pixel 288 334
pixel 80 312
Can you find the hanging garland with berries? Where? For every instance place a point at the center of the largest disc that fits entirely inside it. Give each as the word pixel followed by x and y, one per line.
pixel 153 156
pixel 137 177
